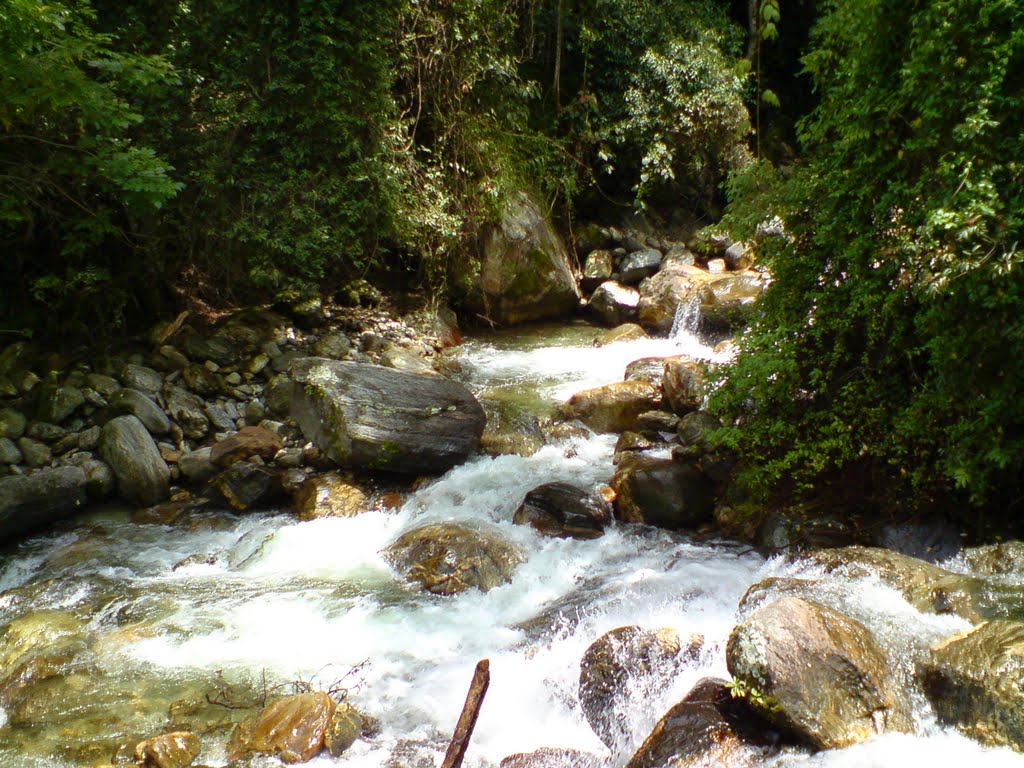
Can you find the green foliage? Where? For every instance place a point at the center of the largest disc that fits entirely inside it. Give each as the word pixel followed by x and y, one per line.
pixel 890 341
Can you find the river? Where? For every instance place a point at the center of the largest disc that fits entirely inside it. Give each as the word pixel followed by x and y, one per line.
pixel 151 616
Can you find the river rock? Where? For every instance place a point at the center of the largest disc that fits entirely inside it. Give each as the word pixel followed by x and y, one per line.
pixel 815 673
pixel 12 423
pixel 9 453
pixel 622 662
pixel 684 383
pixel 196 465
pixel 142 378
pixel 142 475
pixel 129 401
pixel 244 485
pixel 663 293
pixel 624 332
pixel 638 265
pixel 170 750
pixel 45 432
pixel 1002 559
pixel 662 492
pixel 614 303
pixel 657 421
pixel 363 415
pixel 237 338
pixel 552 757
pixel 31 502
pixel 447 558
pixel 975 681
pixel 105 386
pixel 187 410
pixel 328 495
pixel 201 380
pixel 590 236
pixel 613 407
pixel 524 271
pixel 727 302
pixel 58 403
pixel 100 481
pixel 694 430
pixel 565 511
pixel 345 726
pixel 334 344
pixel 34 453
pixel 402 359
pixel 291 729
pixel 247 442
pixel 650 369
pixel 599 266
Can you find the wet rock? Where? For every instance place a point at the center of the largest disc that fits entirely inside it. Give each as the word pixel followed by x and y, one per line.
pixel 622 662
pixel 716 266
pixel 369 416
pixel 694 430
pixel 728 301
pixel 32 502
pixel 624 332
pixel 565 511
pixel 613 407
pixel 197 466
pixel 663 293
pixel 291 729
pixel 524 271
pixel 142 378
pixel 34 453
pixel 638 265
pixel 658 421
pixel 662 492
pixel 684 383
pixel 1002 559
pixel 328 495
pixel 975 681
pixel 649 369
pixel 187 410
pixel 816 673
pixel 614 303
pixel 247 442
pixel 448 558
pixel 12 423
pixel 58 403
pixel 599 266
pixel 170 750
pixel 244 486
pixel 345 726
pixel 132 402
pixel 552 757
pixel 9 453
pixel 142 475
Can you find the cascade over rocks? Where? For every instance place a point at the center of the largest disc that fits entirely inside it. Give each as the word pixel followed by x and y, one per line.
pixel 328 495
pixel 816 673
pixel 524 271
pixel 373 417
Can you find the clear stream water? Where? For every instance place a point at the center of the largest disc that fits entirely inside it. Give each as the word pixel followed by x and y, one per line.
pixel 265 598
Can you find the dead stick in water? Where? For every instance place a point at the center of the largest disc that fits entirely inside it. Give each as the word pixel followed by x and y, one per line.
pixel 470 712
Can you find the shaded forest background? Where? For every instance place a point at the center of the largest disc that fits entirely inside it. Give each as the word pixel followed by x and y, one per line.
pixel 159 154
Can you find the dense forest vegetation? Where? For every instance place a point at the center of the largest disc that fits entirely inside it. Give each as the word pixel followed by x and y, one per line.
pixel 154 154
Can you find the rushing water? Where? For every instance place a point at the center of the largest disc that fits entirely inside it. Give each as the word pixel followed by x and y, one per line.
pixel 154 616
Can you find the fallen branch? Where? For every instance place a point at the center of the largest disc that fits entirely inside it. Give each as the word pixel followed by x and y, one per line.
pixel 470 712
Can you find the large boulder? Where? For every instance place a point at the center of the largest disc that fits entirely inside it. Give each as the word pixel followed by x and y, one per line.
pixel 31 502
pixel 975 681
pixel 613 407
pixel 142 474
pixel 565 511
pixel 599 266
pixel 725 300
pixel 639 264
pixel 614 303
pixel 816 673
pixel 524 270
pixel 662 492
pixel 362 415
pixel 619 668
pixel 448 558
pixel 663 293
pixel 132 402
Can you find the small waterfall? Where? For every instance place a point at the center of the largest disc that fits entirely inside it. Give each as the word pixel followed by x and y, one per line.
pixel 687 318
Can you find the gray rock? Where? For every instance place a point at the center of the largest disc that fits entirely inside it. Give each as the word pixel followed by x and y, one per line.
pixel 663 493
pixel 254 412
pixel 67 443
pixel 142 475
pixel 197 466
pixel 237 338
pixel 380 418
pixel 564 511
pixel 56 404
pixel 187 410
pixel 638 265
pixel 201 380
pixel 678 256
pixel 12 423
pixel 89 438
pixel 176 361
pixel 258 363
pixel 45 432
pixel 36 454
pixel 9 453
pixel 99 479
pixel 615 303
pixel 222 418
pixel 142 378
pixel 29 503
pixel 131 401
pixel 104 385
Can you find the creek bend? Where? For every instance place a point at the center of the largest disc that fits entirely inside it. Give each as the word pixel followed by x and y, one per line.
pixel 153 616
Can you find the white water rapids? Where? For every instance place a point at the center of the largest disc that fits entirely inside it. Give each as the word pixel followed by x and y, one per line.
pixel 307 600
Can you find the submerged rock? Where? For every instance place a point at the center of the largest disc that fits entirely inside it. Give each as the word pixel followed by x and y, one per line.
pixel 563 510
pixel 448 558
pixel 374 417
pixel 816 673
pixel 975 681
